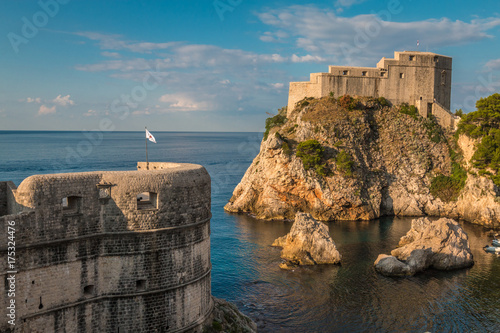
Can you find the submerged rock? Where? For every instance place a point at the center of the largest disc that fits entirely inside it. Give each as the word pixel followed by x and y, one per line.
pixel 440 244
pixel 307 243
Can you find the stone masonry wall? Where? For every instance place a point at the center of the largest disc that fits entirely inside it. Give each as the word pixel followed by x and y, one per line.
pixel 417 78
pixel 106 263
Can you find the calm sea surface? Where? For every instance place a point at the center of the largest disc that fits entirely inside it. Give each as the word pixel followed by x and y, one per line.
pixel 346 298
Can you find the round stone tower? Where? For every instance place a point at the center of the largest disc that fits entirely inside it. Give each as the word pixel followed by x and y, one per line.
pixel 117 251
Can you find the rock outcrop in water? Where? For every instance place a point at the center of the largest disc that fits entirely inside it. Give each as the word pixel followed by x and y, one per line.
pixel 440 244
pixel 307 243
pixel 369 161
pixel 227 318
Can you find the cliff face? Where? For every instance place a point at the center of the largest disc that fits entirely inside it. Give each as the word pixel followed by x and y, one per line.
pixel 375 161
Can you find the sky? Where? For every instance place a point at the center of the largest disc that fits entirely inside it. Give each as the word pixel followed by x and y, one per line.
pixel 216 65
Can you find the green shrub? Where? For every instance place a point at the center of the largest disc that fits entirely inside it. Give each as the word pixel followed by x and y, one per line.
pixel 347 102
pixel 344 162
pixel 286 148
pixel 271 122
pixel 311 153
pixel 382 101
pixel 410 110
pixel 445 188
pixel 434 130
pixel 214 328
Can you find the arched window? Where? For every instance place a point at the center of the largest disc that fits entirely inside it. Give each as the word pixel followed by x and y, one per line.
pixel 443 78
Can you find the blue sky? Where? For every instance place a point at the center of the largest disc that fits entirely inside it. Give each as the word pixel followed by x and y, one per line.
pixel 220 65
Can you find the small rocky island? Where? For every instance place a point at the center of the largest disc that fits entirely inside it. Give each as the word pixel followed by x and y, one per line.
pixel 359 158
pixel 440 244
pixel 307 243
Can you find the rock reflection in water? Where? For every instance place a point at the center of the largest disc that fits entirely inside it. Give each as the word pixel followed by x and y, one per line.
pixel 353 297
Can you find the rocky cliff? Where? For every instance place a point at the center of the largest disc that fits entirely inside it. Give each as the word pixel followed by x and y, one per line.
pixel 347 159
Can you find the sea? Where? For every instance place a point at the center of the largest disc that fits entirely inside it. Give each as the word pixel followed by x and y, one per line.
pixel 350 297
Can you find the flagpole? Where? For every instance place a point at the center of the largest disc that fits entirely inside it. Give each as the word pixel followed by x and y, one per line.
pixel 147 162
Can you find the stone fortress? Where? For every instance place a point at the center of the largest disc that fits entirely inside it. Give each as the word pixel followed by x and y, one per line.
pixel 422 79
pixel 110 252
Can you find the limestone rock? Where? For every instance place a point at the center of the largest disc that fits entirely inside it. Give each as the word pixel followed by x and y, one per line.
pixel 227 318
pixel 394 158
pixel 440 244
pixel 307 243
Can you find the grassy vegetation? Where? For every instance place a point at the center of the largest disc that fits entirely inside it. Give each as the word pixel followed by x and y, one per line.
pixel 484 124
pixel 304 102
pixel 311 153
pixel 344 163
pixel 410 110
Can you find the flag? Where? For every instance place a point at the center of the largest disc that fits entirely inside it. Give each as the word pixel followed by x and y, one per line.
pixel 150 136
pixel 418 42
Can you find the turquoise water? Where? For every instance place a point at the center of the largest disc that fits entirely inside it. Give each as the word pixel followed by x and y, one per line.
pixel 347 298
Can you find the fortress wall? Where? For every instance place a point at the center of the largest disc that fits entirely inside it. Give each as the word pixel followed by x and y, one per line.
pixel 354 86
pixel 179 191
pixel 443 116
pixel 418 78
pixel 156 165
pixel 300 90
pixel 181 310
pixel 116 276
pixel 3 199
pixel 8 203
pixel 104 264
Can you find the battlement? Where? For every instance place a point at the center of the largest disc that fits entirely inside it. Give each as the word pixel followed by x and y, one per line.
pixel 107 250
pixel 422 79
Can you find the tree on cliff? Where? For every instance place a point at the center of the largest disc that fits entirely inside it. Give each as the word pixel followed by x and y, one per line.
pixel 484 124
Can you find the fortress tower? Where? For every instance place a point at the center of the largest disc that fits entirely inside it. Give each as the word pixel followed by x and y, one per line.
pixel 422 79
pixel 109 252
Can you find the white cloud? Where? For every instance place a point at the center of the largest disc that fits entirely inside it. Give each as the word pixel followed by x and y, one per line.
pixel 116 42
pixel 182 102
pixel 63 100
pixel 307 58
pixel 46 110
pixel 277 85
pixel 199 77
pixel 492 65
pixel 34 100
pixel 347 3
pixel 90 113
pixel 141 112
pixel 324 33
pixel 185 56
pixel 111 54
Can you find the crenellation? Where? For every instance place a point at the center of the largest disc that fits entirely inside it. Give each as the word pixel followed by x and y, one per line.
pixel 91 260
